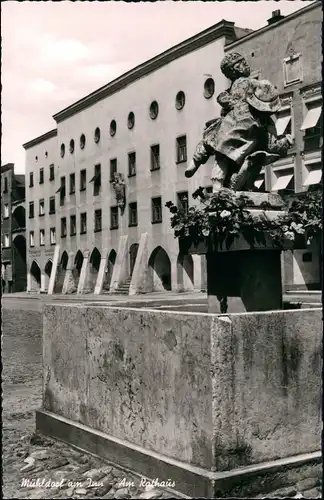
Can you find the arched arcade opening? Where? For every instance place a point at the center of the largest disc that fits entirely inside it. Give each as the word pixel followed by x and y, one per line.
pixel 160 269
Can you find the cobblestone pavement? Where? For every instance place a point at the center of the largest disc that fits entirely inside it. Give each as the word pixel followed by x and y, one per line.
pixel 37 467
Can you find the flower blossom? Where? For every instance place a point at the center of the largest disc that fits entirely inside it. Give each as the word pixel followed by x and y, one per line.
pixel 289 235
pixel 225 213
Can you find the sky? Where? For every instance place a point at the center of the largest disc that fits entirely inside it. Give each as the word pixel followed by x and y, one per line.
pixel 54 53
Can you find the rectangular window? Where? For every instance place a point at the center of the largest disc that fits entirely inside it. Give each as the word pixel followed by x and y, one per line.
pixel 72 225
pixel 96 179
pixel 83 180
pixel 62 191
pixel 6 211
pixel 52 174
pixel 52 205
pixel 41 176
pixel 209 189
pixel 132 214
pixel 283 122
pixel 83 223
pixel 53 236
pixel 41 207
pixel 63 227
pixel 97 220
pixel 113 169
pixel 72 183
pixel 113 217
pixel 313 126
pixel 31 210
pixel 6 241
pixel 156 210
pixel 131 164
pixel 292 69
pixel 42 237
pixel 5 185
pixel 31 239
pixel 181 149
pixel 31 179
pixel 155 157
pixel 283 179
pixel 182 201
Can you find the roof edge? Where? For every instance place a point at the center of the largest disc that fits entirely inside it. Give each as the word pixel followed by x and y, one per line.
pixel 40 139
pixel 223 28
pixel 297 13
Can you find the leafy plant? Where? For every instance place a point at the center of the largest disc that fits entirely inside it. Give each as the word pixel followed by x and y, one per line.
pixel 224 216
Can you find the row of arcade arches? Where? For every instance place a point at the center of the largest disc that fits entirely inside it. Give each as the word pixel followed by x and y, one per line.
pixel 159 270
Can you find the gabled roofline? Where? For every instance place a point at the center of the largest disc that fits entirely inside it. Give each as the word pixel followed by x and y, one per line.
pixel 41 138
pixel 221 29
pixel 291 16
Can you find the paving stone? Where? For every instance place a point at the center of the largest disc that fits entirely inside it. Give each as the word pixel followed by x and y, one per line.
pixel 312 493
pixel 80 491
pixel 308 483
pixel 104 489
pixel 122 493
pixel 30 462
pixel 286 492
pixel 69 492
pixel 41 454
pixel 151 494
pixel 58 462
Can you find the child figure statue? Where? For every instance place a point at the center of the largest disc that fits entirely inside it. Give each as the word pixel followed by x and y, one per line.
pixel 244 139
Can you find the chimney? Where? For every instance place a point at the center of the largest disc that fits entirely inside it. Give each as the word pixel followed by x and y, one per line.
pixel 275 17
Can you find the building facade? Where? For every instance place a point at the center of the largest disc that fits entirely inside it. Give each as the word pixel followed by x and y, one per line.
pixel 90 230
pixel 13 229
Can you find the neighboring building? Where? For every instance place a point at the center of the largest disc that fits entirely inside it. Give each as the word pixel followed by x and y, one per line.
pixel 288 52
pixel 13 228
pixel 145 126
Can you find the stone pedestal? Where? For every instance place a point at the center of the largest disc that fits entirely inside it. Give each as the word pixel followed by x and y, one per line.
pixel 244 279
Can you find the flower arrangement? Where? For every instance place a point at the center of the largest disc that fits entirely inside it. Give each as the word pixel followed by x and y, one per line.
pixel 224 216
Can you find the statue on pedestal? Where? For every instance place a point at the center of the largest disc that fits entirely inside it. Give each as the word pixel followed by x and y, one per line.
pixel 244 138
pixel 120 190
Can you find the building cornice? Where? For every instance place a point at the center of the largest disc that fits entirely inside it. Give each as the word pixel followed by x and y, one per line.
pixel 262 30
pixel 221 29
pixel 40 139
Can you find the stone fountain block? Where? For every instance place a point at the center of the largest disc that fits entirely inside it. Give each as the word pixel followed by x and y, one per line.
pixel 221 405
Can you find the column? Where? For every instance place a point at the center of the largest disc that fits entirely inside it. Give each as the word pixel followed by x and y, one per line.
pixel 101 272
pixel 54 270
pixel 42 283
pixel 69 285
pixel 83 273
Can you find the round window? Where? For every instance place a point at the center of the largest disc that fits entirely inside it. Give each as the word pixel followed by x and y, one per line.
pixel 71 146
pixel 82 141
pixel 62 150
pixel 154 110
pixel 131 120
pixel 113 128
pixel 180 100
pixel 209 88
pixel 97 135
